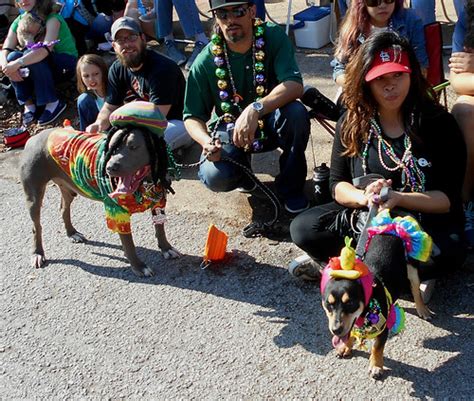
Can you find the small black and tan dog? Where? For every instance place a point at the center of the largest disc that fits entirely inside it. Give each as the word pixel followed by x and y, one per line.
pixel 364 307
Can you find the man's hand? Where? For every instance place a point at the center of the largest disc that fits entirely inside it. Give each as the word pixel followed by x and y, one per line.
pixel 97 126
pixel 461 62
pixel 245 127
pixel 212 151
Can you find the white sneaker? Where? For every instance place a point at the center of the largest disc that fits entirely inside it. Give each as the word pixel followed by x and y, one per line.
pixel 306 268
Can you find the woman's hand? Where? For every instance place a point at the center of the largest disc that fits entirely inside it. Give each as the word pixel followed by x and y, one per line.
pixel 11 71
pixel 372 191
pixel 392 202
pixel 461 62
pixel 212 151
pixel 245 127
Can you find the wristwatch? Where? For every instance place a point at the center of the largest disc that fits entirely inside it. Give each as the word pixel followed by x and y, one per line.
pixel 258 107
pixel 21 61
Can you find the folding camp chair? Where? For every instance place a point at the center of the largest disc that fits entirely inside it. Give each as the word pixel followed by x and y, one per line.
pixel 435 73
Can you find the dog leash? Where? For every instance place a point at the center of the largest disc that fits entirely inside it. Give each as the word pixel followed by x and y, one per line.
pixel 373 210
pixel 255 228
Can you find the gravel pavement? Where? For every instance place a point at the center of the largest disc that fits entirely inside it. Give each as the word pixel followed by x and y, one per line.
pixel 85 327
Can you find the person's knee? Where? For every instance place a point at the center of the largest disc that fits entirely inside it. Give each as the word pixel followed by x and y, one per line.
pixel 300 230
pixel 84 100
pixel 463 108
pixel 219 176
pixel 14 56
pixel 297 119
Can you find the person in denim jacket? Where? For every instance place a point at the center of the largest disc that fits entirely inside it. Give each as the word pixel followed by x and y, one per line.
pixel 367 16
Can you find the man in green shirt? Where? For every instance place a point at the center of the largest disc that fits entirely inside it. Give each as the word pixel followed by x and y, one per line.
pixel 247 82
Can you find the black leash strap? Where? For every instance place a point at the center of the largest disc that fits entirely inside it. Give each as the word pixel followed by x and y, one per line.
pixel 255 228
pixel 360 249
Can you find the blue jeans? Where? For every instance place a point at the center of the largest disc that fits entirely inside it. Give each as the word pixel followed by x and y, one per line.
pixel 43 75
pixel 188 17
pixel 426 9
pixel 288 128
pixel 100 26
pixel 460 30
pixel 87 110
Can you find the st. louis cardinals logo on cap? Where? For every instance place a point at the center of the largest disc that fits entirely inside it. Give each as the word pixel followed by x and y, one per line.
pixel 392 59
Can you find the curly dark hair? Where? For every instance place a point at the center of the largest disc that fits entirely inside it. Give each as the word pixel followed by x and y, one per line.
pixel 358 98
pixel 157 150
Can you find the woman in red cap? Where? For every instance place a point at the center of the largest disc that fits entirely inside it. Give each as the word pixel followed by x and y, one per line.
pixel 393 127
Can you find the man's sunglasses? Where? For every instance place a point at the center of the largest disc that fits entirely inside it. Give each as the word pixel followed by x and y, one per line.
pixel 235 12
pixel 376 3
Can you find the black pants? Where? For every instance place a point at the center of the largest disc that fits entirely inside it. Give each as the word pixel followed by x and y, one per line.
pixel 315 232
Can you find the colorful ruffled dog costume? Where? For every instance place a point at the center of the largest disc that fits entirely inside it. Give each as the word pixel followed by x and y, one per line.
pixel 372 322
pixel 81 156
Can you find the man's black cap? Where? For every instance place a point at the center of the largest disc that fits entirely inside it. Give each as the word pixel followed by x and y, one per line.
pixel 215 4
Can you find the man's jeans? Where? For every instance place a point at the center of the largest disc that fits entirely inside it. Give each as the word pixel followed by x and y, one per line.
pixel 43 76
pixel 289 128
pixel 188 17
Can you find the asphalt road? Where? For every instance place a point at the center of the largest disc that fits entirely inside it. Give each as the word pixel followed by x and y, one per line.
pixel 85 327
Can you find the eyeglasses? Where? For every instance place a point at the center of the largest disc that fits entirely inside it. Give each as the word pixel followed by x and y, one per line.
pixel 238 12
pixel 376 3
pixel 128 39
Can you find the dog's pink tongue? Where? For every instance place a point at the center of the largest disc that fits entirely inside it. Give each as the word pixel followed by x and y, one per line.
pixel 337 341
pixel 129 184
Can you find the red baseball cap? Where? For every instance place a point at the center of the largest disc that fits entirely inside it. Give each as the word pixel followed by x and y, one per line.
pixel 392 59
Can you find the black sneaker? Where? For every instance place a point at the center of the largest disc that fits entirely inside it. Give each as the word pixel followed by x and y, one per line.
pixel 296 204
pixel 48 117
pixel 28 118
pixel 247 189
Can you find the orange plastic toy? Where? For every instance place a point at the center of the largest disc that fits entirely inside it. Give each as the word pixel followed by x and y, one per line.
pixel 215 247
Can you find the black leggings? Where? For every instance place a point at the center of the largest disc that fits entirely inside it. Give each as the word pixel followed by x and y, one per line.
pixel 312 232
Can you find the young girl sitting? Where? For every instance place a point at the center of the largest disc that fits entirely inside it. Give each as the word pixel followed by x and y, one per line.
pixel 91 75
pixel 30 30
pixel 369 16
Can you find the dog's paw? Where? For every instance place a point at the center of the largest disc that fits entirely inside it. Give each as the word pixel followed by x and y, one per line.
pixel 77 238
pixel 171 253
pixel 424 312
pixel 143 271
pixel 343 351
pixel 376 372
pixel 37 261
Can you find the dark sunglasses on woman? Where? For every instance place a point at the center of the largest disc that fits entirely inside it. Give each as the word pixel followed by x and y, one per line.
pixel 376 3
pixel 235 12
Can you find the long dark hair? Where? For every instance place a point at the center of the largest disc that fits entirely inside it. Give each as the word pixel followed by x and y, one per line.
pixel 357 96
pixel 157 150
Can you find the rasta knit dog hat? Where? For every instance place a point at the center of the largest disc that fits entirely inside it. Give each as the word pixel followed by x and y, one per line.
pixel 140 114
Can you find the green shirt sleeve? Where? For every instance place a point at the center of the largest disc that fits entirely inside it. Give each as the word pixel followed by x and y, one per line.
pixel 16 21
pixel 198 98
pixel 283 55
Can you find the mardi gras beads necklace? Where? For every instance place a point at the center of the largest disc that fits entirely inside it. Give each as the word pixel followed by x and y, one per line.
pixel 230 102
pixel 412 177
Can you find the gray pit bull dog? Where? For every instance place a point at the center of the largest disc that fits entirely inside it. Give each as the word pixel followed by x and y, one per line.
pixel 113 168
